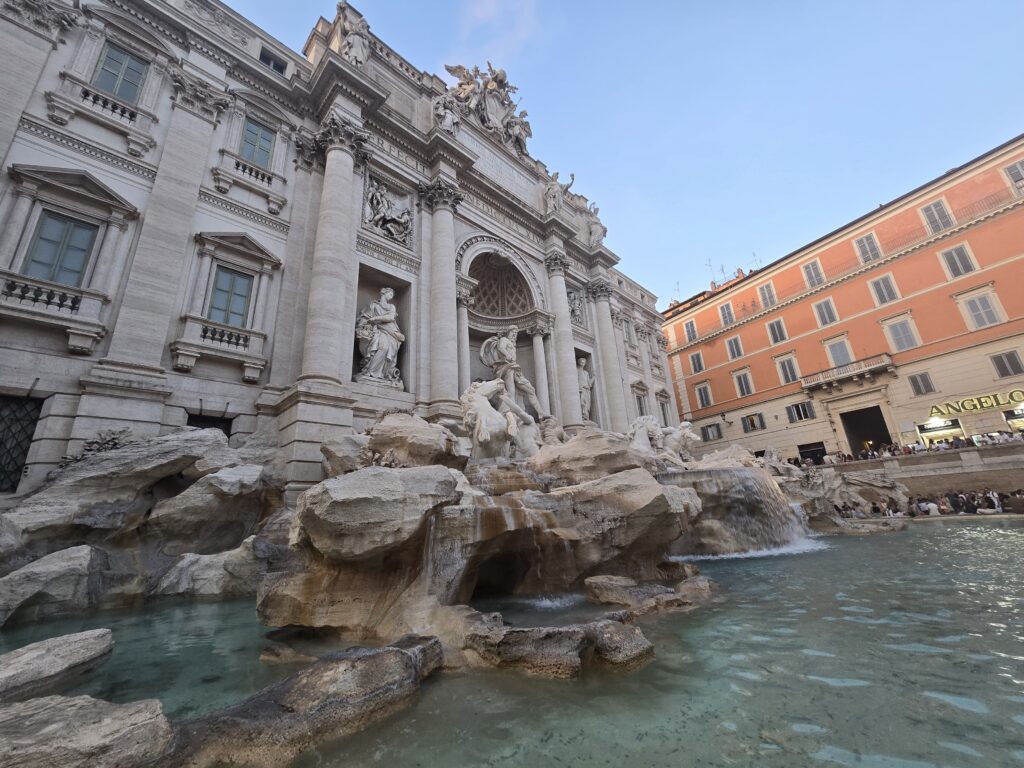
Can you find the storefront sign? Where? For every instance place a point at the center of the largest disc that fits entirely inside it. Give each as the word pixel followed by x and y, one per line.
pixel 979 403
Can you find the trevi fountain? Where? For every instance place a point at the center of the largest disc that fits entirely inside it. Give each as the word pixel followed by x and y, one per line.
pixel 494 591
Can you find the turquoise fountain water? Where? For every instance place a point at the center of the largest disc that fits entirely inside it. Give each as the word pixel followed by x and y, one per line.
pixel 900 650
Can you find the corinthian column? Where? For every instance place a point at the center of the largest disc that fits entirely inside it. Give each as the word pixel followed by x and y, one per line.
pixel 540 364
pixel 565 349
pixel 611 374
pixel 442 197
pixel 330 310
pixel 465 301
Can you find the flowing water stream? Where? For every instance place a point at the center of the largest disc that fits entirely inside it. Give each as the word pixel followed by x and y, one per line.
pixel 901 650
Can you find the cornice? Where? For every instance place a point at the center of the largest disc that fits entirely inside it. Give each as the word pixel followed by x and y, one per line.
pixel 333 76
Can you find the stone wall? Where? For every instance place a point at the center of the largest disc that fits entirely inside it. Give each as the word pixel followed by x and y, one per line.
pixel 1000 467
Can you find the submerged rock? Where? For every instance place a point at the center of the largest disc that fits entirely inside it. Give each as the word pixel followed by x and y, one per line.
pixel 82 732
pixel 338 695
pixel 61 583
pixel 44 666
pixel 620 590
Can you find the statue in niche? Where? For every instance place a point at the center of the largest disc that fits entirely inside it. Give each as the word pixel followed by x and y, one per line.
pixel 499 354
pixel 355 48
pixel 380 338
pixel 554 192
pixel 596 231
pixel 586 384
pixel 517 131
pixel 577 309
pixel 446 113
pixel 384 216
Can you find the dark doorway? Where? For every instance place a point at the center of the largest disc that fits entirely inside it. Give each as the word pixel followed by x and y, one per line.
pixel 813 451
pixel 210 422
pixel 866 429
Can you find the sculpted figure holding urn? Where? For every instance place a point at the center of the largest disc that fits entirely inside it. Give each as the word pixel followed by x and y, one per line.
pixel 380 338
pixel 586 384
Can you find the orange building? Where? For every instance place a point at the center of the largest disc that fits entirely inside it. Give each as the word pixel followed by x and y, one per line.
pixel 904 325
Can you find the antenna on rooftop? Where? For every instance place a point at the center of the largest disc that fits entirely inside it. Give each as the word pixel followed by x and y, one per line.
pixel 757 260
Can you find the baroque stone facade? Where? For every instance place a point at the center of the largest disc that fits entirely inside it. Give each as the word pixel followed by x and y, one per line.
pixel 199 226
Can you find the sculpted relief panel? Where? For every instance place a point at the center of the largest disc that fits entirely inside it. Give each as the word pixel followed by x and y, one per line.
pixel 386 213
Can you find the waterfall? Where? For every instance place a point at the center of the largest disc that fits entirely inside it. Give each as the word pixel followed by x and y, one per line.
pixel 743 509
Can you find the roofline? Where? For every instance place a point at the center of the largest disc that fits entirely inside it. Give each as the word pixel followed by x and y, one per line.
pixel 850 224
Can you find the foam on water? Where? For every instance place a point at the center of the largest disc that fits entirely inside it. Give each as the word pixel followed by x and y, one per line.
pixel 799 547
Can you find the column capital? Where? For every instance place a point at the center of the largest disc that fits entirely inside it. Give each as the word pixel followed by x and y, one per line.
pixel 339 132
pixel 662 340
pixel 556 263
pixel 465 297
pixel 617 317
pixel 599 289
pixel 643 331
pixel 539 328
pixel 441 193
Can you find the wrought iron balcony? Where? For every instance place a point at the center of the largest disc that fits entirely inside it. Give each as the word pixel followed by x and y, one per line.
pixel 201 337
pixel 76 310
pixel 854 371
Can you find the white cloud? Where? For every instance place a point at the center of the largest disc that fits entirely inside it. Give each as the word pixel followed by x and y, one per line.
pixel 493 30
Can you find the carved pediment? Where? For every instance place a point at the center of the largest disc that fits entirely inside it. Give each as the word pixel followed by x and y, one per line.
pixel 74 182
pixel 138 36
pixel 240 244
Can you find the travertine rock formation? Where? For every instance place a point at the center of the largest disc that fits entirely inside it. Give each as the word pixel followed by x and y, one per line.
pixel 46 666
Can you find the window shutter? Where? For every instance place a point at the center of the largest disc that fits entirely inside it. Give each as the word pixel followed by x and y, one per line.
pixel 810 409
pixel 790 413
pixel 760 420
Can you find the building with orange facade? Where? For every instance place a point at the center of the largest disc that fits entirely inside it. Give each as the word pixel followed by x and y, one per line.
pixel 905 325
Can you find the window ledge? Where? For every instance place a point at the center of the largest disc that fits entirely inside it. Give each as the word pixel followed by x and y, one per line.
pixel 234 170
pixel 76 310
pixel 201 337
pixel 78 98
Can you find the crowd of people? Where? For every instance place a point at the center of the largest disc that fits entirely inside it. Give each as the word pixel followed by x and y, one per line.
pixel 921 446
pixel 983 502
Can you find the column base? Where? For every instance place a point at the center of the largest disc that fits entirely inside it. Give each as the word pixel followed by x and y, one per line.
pixel 448 413
pixel 308 413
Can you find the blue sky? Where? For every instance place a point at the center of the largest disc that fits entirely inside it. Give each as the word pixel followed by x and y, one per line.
pixel 709 132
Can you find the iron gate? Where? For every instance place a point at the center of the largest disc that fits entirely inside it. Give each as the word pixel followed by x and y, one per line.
pixel 18 417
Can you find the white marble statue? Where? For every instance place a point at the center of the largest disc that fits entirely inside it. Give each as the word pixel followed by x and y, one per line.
pixel 380 338
pixel 355 48
pixel 488 96
pixel 577 308
pixel 596 231
pixel 554 192
pixel 586 384
pixel 499 354
pixel 551 431
pixel 517 131
pixel 494 421
pixel 681 440
pixel 645 435
pixel 446 113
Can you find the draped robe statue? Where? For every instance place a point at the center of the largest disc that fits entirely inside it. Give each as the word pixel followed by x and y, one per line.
pixel 499 354
pixel 379 341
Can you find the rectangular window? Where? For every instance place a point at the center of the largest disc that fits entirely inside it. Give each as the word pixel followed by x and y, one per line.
pixel 257 143
pixel 921 384
pixel 744 387
pixel 825 312
pixel 735 347
pixel 839 353
pixel 777 331
pixel 725 311
pixel 937 216
pixel 663 407
pixel 767 292
pixel 884 290
pixel 753 422
pixel 1008 364
pixel 958 261
pixel 60 249
pixel 982 310
pixel 229 303
pixel 1016 174
pixel 691 330
pixel 901 335
pixel 696 362
pixel 813 274
pixel 800 411
pixel 787 370
pixel 641 405
pixel 270 61
pixel 120 74
pixel 711 432
pixel 867 248
pixel 703 395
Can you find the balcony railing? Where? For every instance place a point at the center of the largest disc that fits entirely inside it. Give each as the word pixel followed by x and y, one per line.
pixel 48 296
pixel 76 311
pixel 852 370
pixel 890 248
